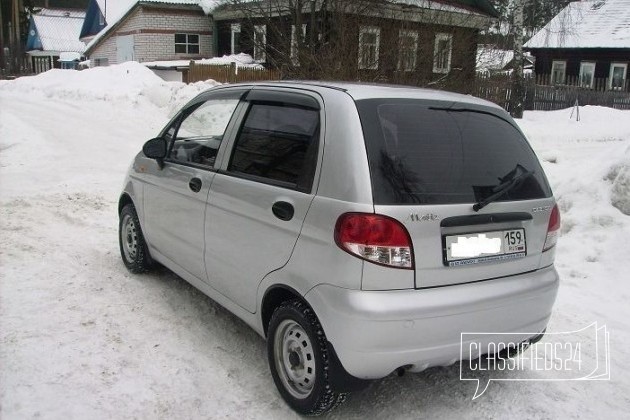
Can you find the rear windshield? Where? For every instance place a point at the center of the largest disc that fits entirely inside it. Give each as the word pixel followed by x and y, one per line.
pixel 428 153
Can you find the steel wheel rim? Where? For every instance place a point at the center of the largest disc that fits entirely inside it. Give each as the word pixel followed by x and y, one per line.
pixel 294 357
pixel 129 238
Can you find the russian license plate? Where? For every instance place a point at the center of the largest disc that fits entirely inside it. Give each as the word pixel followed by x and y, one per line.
pixel 475 248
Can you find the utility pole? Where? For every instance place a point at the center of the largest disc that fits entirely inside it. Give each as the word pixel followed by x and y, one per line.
pixel 517 97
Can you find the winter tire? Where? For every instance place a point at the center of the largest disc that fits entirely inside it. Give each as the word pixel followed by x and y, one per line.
pixel 299 361
pixel 133 248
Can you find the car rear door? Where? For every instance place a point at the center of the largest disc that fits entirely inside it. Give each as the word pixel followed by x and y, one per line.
pixel 260 197
pixel 175 197
pixel 430 162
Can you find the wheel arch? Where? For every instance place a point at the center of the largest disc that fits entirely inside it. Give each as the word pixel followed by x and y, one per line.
pixel 273 297
pixel 340 379
pixel 124 199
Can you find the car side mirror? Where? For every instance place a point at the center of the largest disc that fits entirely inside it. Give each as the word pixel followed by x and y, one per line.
pixel 155 149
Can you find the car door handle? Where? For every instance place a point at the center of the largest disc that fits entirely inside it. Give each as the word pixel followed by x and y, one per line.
pixel 195 184
pixel 283 210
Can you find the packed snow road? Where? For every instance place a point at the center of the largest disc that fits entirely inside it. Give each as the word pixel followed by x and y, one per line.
pixel 80 337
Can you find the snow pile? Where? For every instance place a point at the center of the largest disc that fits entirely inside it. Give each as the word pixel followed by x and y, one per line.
pixel 129 81
pixel 241 60
pixel 620 176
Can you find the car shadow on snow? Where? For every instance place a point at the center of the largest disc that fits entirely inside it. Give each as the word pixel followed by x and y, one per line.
pixel 435 393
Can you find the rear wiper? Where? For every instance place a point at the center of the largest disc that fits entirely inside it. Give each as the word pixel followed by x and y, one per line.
pixel 503 188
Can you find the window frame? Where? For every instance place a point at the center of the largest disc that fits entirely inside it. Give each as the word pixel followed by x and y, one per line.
pixel 583 66
pixel 187 45
pixel 317 137
pixel 260 52
pixel 563 64
pixel 101 62
pixel 235 28
pixel 413 34
pixel 625 75
pixel 377 46
pixel 178 119
pixel 442 36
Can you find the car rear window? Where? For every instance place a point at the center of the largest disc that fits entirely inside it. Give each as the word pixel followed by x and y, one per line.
pixel 431 153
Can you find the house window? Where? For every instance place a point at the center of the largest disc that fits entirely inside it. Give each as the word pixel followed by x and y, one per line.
pixel 100 62
pixel 369 43
pixel 618 72
pixel 295 45
pixel 408 41
pixel 186 44
pixel 442 53
pixel 558 72
pixel 235 38
pixel 260 43
pixel 587 74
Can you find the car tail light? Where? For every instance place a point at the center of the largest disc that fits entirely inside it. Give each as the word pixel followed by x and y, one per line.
pixel 553 230
pixel 375 238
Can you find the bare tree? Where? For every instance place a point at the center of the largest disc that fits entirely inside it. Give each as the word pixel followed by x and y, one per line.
pixel 367 40
pixel 517 97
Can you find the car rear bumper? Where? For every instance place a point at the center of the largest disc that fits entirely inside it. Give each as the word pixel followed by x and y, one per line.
pixel 376 332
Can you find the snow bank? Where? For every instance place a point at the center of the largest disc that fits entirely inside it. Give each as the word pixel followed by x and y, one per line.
pixel 620 192
pixel 129 81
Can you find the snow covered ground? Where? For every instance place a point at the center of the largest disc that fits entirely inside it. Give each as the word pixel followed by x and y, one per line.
pixel 80 337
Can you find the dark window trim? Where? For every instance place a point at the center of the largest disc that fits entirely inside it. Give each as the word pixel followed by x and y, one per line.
pixel 188 44
pixel 263 180
pixel 264 100
pixel 236 94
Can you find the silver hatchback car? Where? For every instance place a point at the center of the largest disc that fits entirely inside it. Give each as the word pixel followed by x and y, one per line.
pixel 361 229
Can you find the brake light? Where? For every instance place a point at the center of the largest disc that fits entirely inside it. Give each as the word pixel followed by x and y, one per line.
pixel 553 230
pixel 375 238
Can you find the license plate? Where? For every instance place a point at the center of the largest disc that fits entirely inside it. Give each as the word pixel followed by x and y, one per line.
pixel 475 248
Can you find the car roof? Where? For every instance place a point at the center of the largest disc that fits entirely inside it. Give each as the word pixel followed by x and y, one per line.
pixel 360 91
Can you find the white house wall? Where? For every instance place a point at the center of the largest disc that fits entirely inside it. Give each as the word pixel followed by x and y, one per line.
pixel 154 35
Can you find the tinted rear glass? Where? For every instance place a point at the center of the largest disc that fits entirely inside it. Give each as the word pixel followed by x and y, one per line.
pixel 425 153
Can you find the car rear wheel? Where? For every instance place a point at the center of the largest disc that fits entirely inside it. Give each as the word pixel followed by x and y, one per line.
pixel 133 248
pixel 299 360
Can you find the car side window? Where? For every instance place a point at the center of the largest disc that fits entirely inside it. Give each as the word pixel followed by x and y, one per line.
pixel 201 131
pixel 278 144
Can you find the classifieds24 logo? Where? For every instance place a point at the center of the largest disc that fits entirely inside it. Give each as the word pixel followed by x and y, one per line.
pixel 582 355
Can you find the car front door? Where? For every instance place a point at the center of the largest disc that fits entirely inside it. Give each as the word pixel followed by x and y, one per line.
pixel 175 196
pixel 259 199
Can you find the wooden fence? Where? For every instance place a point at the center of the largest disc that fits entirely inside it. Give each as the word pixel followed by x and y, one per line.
pixel 228 73
pixel 541 95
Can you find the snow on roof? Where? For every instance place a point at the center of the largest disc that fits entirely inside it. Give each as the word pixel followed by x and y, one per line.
pixel 489 57
pixel 587 24
pixel 59 29
pixel 242 60
pixel 115 10
pixel 69 56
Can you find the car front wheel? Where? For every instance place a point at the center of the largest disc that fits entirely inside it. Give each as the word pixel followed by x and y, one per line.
pixel 133 248
pixel 299 360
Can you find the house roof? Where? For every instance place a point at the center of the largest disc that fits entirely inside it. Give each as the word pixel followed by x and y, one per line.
pixel 59 29
pixel 113 10
pixel 455 5
pixel 472 13
pixel 490 58
pixel 587 24
pixel 116 10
